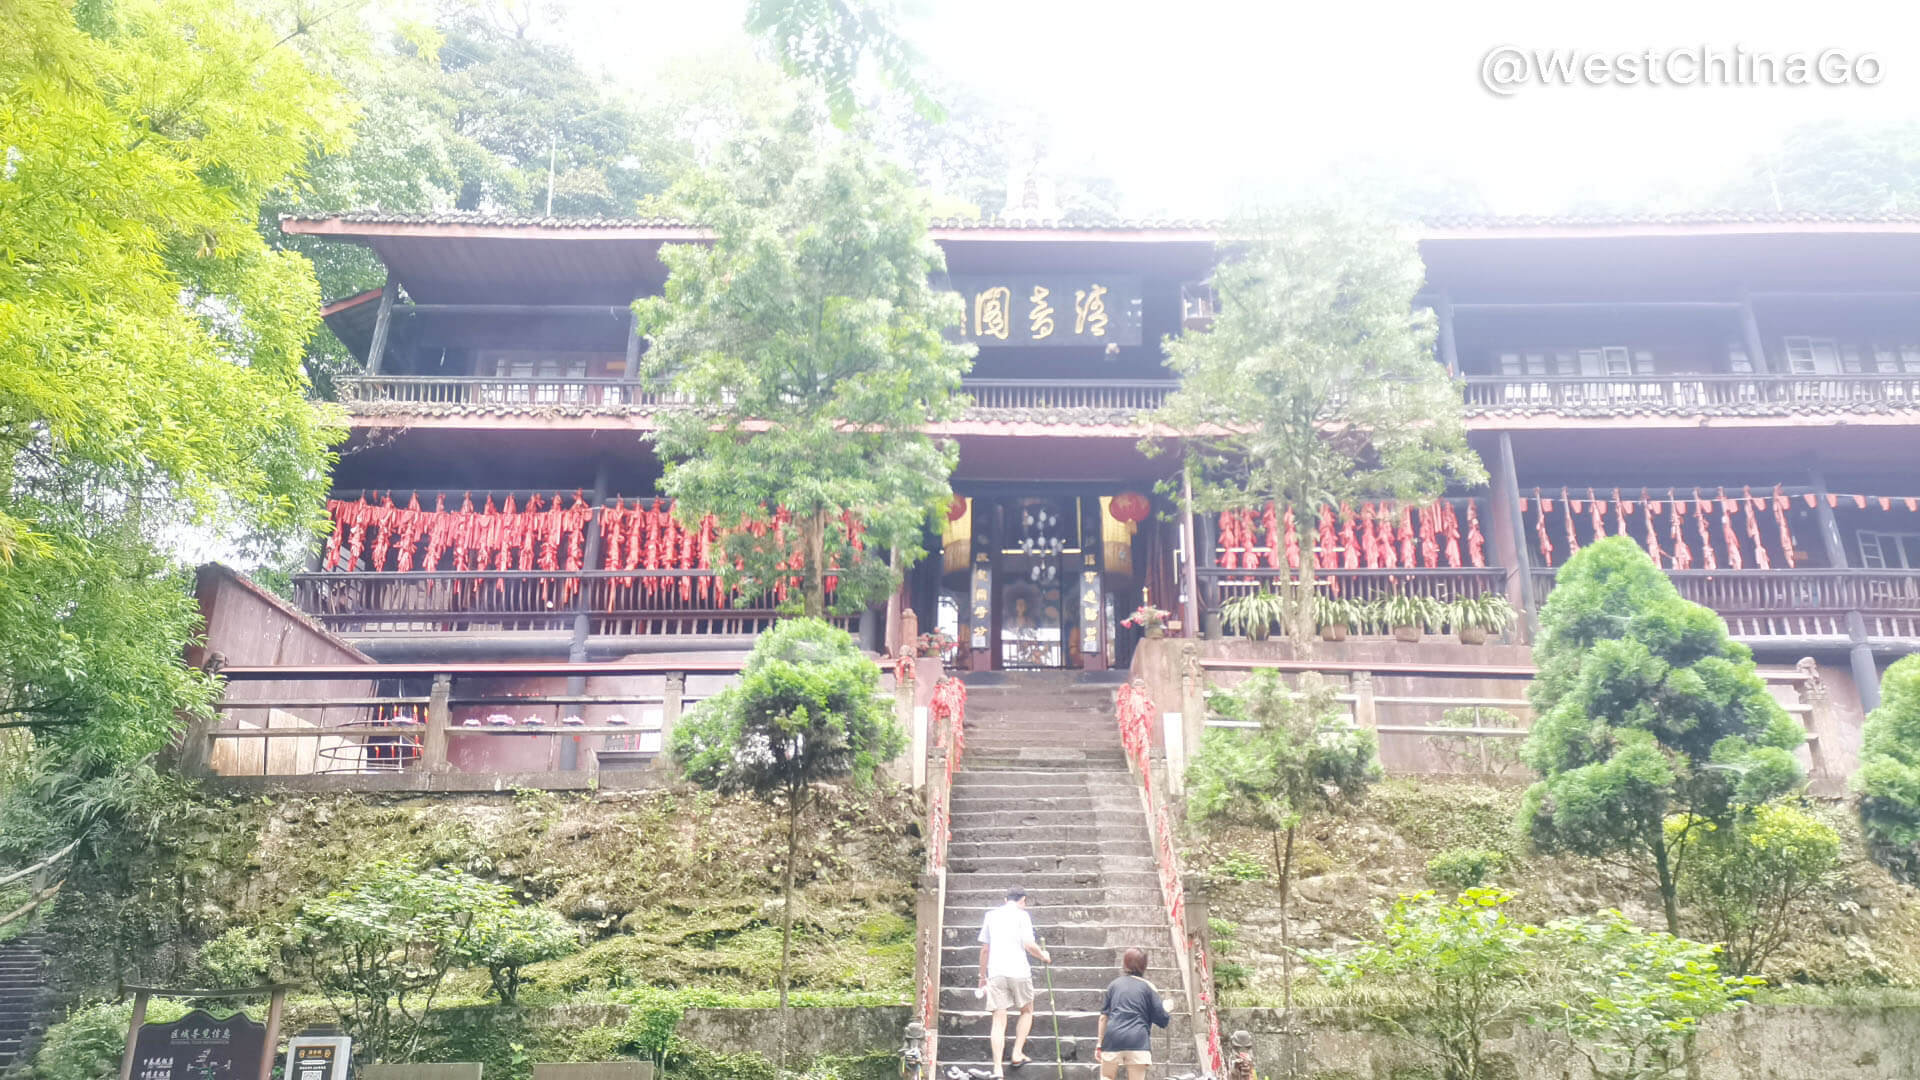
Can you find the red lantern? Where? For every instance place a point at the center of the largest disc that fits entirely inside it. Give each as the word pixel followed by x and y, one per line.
pixel 956 507
pixel 1130 506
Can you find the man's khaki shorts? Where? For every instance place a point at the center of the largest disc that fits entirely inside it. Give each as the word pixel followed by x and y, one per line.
pixel 1006 993
pixel 1111 1060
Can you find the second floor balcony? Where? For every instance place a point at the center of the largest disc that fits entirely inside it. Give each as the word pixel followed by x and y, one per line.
pixel 1098 402
pixel 1690 394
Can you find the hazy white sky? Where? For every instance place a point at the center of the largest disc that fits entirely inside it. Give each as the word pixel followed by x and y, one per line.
pixel 1185 101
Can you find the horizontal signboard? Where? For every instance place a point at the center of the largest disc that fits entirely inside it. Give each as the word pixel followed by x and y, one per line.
pixel 1050 309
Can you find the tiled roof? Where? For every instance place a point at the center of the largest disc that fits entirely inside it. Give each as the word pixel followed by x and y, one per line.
pixel 1674 220
pixel 1445 221
pixel 476 217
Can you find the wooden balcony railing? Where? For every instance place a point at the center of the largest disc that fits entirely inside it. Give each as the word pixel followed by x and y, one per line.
pixel 620 395
pixel 1102 395
pixel 529 393
pixel 617 603
pixel 1798 604
pixel 1686 393
pixel 1219 584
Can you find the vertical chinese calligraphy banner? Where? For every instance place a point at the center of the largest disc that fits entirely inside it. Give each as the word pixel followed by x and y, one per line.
pixel 1050 309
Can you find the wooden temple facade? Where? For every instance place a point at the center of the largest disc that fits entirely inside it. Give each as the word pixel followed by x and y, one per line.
pixel 1740 396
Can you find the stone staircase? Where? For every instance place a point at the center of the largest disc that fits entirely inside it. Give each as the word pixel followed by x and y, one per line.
pixel 23 995
pixel 1044 800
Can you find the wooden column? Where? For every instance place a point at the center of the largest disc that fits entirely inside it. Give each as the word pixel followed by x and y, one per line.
pixel 1750 330
pixel 133 1033
pixel 433 746
pixel 382 325
pixel 1866 674
pixel 582 619
pixel 276 1009
pixel 633 346
pixel 1190 578
pixel 1443 314
pixel 1508 479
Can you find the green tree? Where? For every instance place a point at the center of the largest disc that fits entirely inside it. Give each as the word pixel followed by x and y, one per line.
pixel 809 340
pixel 380 946
pixel 1304 758
pixel 513 938
pixel 829 42
pixel 1317 382
pixel 150 346
pixel 1630 1001
pixel 1456 968
pixel 1835 168
pixel 808 709
pixel 1645 710
pixel 1745 881
pixel 1888 781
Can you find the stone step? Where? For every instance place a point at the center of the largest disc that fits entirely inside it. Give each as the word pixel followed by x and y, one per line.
pixel 977 759
pixel 1013 781
pixel 1081 1068
pixel 1059 917
pixel 1038 884
pixel 1066 795
pixel 1112 934
pixel 1029 819
pixel 988 849
pixel 1048 863
pixel 1040 906
pixel 961 997
pixel 966 957
pixel 963 1037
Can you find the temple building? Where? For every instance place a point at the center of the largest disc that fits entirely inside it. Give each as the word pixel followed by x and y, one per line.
pixel 1741 395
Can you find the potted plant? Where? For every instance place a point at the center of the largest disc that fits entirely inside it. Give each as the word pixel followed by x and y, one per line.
pixel 1474 617
pixel 934 643
pixel 1150 619
pixel 1410 616
pixel 1254 615
pixel 1337 615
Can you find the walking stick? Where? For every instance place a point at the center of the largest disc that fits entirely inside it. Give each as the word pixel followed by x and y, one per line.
pixel 1053 1009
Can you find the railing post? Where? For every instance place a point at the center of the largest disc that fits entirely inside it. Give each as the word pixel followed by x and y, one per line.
pixel 1814 694
pixel 676 690
pixel 1365 713
pixel 433 747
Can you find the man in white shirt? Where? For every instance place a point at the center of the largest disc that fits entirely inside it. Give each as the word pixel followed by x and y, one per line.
pixel 1006 940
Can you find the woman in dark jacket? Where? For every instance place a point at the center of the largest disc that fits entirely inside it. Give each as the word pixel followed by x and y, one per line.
pixel 1131 1005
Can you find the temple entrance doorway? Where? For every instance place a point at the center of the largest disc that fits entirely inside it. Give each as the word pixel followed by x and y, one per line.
pixel 1032 581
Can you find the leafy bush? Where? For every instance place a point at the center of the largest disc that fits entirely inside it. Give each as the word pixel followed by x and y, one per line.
pixel 381 944
pixel 508 940
pixel 1463 962
pixel 242 956
pixel 808 709
pixel 1488 611
pixel 1306 757
pixel 1744 881
pixel 1630 1001
pixel 1626 999
pixel 1241 867
pixel 1254 615
pixel 1889 777
pixel 1646 709
pixel 1465 868
pixel 87 1044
